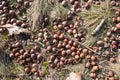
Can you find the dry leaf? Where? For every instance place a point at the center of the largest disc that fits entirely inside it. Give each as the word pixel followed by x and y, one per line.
pixel 12 29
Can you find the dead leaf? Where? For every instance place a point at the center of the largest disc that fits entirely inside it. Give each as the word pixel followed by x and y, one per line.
pixel 12 29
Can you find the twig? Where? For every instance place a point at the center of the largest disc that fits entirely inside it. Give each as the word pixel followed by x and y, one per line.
pixel 97 29
pixel 76 41
pixel 82 45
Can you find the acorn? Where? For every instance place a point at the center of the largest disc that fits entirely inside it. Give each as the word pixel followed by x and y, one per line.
pixel 118 26
pixel 19 1
pixel 114 20
pixel 28 60
pixel 54 41
pixel 2 22
pixel 102 76
pixel 74 31
pixel 118 19
pixel 82 55
pixel 64 3
pixel 93 58
pixel 33 56
pixel 67 46
pixel 114 42
pixel 64 23
pixel 69 31
pixel 63 53
pixel 73 54
pixel 68 51
pixel 70 42
pixel 78 52
pixel 106 39
pixel 3 3
pixel 100 43
pixel 54 49
pixel 17 54
pixel 55 36
pixel 77 57
pixel 62 59
pixel 72 1
pixel 97 2
pixel 95 68
pixel 87 65
pixel 75 44
pixel 12 55
pixel 59 45
pixel 111 78
pixel 82 39
pixel 85 51
pixel 117 12
pixel 56 61
pixel 26 3
pixel 107 53
pixel 114 48
pixel 73 48
pixel 39 57
pixel 36 74
pixel 109 34
pixel 33 70
pixel 113 3
pixel 41 73
pixel 110 74
pixel 112 59
pixel 27 70
pixel 92 75
pixel 118 4
pixel 93 63
pixel 23 25
pixel 87 57
pixel 12 12
pixel 36 47
pixel 60 26
pixel 49 48
pixel 61 36
pixel 26 55
pixel 70 60
pixel 61 64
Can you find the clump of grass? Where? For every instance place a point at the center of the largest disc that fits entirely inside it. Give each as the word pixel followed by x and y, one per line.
pixel 5 37
pixel 12 1
pixel 92 18
pixel 5 65
pixel 4 70
pixel 42 8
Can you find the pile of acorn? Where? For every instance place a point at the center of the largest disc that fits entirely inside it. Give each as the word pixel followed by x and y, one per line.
pixel 116 21
pixel 13 14
pixel 62 50
pixel 71 28
pixel 29 58
pixel 92 64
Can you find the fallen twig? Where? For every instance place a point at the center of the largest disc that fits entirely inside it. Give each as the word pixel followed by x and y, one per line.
pixel 83 45
pixel 75 41
pixel 97 29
